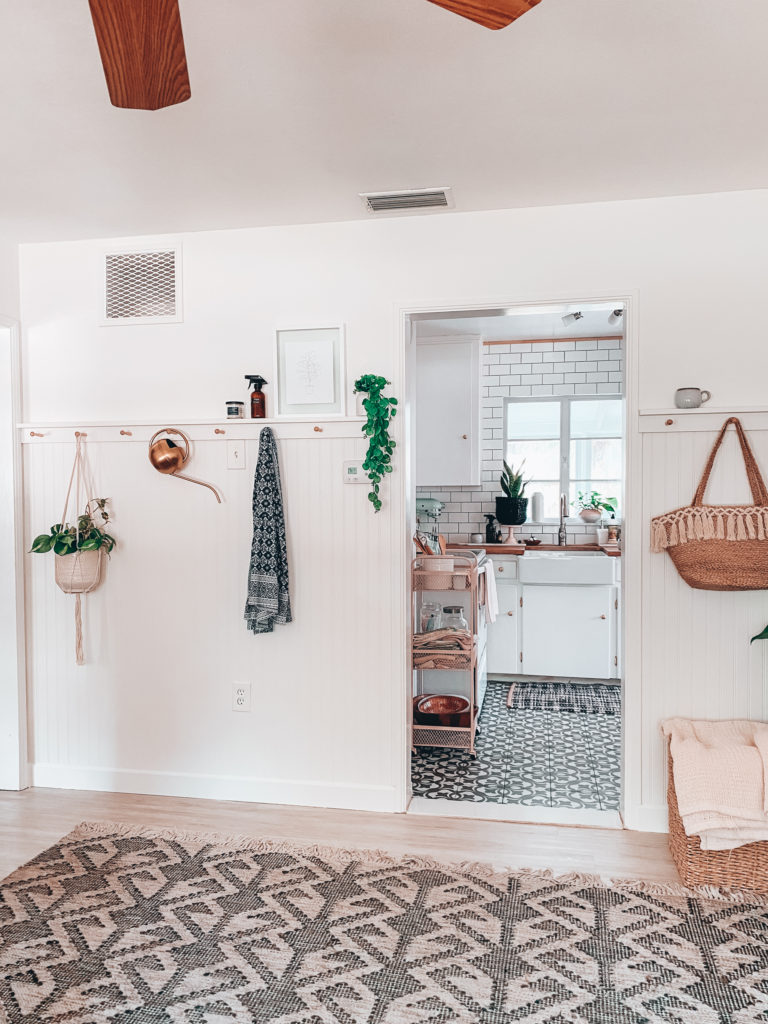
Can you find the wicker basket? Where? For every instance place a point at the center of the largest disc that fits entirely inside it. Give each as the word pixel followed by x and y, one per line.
pixel 79 573
pixel 432 580
pixel 719 547
pixel 743 868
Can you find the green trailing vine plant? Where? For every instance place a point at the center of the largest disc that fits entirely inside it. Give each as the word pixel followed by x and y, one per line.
pixel 380 411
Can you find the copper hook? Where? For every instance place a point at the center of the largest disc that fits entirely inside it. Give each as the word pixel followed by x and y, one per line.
pixel 217 431
pixel 34 433
pixel 126 433
pixel 80 433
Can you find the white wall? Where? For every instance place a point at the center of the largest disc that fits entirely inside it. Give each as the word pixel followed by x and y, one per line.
pixel 9 274
pixel 329 688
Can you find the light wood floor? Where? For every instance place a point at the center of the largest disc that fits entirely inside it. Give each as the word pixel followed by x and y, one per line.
pixel 34 819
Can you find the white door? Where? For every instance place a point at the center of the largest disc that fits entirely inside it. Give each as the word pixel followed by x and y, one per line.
pixel 447 413
pixel 569 632
pixel 503 636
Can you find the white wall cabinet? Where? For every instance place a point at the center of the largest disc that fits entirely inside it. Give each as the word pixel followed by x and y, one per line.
pixel 569 631
pixel 504 634
pixel 447 412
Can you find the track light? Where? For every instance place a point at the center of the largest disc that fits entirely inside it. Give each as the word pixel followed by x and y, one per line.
pixel 615 316
pixel 571 318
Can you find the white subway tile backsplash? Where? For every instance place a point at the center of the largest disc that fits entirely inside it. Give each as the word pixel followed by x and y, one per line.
pixel 609 343
pixel 539 369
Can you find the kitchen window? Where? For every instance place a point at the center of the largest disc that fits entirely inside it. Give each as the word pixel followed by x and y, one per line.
pixel 569 444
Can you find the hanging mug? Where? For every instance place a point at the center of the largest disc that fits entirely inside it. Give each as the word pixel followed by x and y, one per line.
pixel 691 398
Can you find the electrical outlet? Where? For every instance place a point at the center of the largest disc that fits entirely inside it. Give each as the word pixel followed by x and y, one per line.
pixel 241 696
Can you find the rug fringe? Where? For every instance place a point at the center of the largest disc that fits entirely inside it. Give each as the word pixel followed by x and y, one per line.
pixel 383 859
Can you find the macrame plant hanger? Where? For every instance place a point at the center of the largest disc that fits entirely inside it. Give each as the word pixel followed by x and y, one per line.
pixel 80 572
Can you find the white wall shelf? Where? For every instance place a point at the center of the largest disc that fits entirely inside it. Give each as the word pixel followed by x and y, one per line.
pixel 125 431
pixel 705 418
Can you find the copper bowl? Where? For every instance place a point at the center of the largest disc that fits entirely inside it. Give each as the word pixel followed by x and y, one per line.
pixel 442 709
pixel 532 542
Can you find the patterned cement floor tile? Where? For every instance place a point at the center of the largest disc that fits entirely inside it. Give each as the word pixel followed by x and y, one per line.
pixel 529 756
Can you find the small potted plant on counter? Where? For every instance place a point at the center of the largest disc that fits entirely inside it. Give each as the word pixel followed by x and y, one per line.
pixel 592 505
pixel 512 508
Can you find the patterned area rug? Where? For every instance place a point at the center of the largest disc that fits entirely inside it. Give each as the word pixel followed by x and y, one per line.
pixel 134 926
pixel 586 698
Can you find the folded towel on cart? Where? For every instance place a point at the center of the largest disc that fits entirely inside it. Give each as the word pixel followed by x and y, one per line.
pixel 444 640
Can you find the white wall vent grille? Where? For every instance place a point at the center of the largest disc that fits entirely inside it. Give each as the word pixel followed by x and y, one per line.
pixel 412 200
pixel 142 287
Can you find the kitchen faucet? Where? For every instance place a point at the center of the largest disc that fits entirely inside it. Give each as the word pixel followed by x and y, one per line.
pixel 561 534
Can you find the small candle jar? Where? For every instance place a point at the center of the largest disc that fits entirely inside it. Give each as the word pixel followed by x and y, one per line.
pixel 235 410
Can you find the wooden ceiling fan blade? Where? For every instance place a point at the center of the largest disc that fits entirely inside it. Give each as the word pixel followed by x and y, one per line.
pixel 142 50
pixel 491 14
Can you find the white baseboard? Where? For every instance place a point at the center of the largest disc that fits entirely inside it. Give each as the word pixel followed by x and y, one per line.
pixel 295 792
pixel 646 818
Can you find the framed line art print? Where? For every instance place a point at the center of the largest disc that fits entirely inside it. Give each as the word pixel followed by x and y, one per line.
pixel 311 378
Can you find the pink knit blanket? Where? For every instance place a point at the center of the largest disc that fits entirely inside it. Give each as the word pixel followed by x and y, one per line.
pixel 721 779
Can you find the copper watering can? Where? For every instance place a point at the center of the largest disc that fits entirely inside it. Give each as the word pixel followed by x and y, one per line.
pixel 169 457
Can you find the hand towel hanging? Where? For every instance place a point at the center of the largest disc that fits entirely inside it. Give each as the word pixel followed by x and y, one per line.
pixel 269 599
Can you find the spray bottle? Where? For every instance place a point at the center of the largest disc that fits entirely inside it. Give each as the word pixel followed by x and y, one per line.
pixel 258 398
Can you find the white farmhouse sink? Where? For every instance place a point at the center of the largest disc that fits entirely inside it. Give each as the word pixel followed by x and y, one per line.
pixel 566 567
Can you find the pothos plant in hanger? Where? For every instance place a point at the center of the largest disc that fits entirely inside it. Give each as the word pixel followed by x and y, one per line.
pixel 79 547
pixel 64 539
pixel 379 411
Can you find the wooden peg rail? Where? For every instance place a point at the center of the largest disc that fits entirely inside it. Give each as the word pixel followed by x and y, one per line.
pixel 199 432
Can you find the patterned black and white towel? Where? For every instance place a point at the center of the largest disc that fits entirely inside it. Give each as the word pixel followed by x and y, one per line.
pixel 269 599
pixel 587 698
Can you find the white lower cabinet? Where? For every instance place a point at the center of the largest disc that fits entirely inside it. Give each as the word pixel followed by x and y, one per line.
pixel 568 631
pixel 503 635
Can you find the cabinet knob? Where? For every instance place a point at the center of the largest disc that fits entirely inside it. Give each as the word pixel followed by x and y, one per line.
pixel 463 437
pixel 510 613
pixel 501 568
pixel 603 616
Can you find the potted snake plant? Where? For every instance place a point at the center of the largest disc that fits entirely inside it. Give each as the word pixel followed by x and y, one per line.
pixel 512 507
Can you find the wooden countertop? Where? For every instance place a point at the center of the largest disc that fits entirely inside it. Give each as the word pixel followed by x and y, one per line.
pixel 520 549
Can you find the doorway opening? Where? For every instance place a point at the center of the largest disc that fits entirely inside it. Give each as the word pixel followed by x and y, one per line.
pixel 517 441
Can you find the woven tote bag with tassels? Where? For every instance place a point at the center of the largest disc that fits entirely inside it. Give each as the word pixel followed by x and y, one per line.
pixel 719 547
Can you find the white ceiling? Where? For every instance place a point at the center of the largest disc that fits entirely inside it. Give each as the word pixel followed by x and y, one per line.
pixel 299 105
pixel 516 325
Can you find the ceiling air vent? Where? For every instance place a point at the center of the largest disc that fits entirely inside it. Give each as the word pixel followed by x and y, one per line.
pixel 406 202
pixel 142 287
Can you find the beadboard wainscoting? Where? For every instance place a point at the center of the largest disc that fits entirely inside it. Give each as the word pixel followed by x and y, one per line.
pixel 151 711
pixel 697 659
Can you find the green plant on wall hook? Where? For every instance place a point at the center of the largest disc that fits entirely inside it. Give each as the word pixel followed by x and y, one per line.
pixel 760 636
pixel 379 411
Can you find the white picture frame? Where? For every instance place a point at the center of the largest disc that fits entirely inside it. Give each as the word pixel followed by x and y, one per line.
pixel 310 372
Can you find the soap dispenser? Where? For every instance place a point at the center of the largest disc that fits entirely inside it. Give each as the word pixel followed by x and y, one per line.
pixel 491 533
